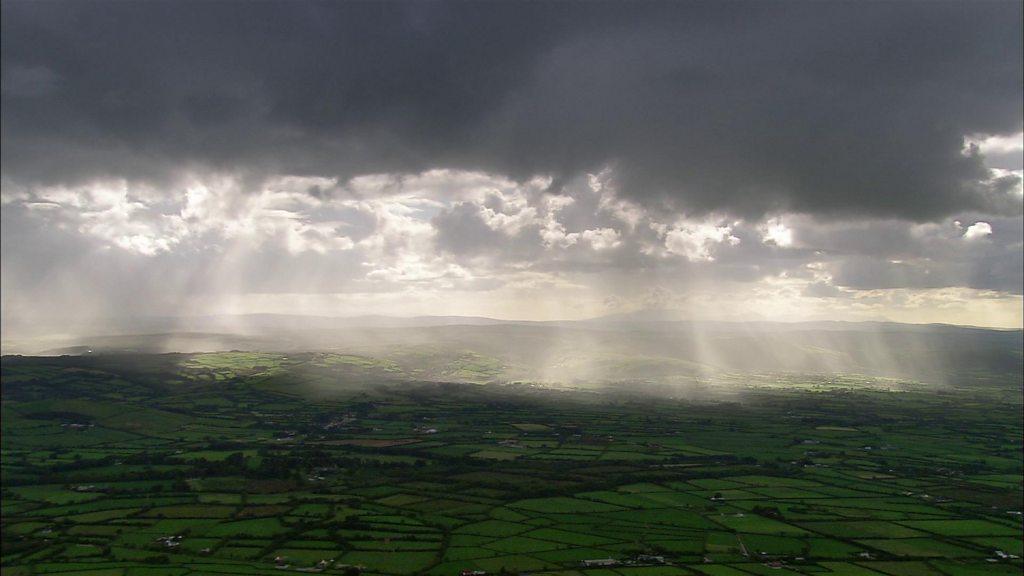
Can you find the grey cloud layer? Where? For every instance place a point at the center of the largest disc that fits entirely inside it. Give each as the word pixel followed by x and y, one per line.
pixel 177 158
pixel 452 231
pixel 834 109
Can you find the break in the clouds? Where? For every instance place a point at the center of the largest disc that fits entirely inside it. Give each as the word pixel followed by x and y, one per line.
pixel 540 160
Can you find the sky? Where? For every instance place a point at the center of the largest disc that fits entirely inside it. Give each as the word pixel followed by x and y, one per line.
pixel 736 160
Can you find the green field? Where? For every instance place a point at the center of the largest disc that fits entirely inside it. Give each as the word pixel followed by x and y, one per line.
pixel 243 463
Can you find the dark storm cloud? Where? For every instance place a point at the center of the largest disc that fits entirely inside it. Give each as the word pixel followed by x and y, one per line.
pixel 834 109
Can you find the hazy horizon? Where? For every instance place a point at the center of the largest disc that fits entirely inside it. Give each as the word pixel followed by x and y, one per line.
pixel 643 315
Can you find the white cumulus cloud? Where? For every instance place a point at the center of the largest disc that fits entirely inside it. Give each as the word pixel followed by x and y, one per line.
pixel 697 241
pixel 978 230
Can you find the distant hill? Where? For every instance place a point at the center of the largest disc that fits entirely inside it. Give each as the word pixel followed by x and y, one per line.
pixel 610 349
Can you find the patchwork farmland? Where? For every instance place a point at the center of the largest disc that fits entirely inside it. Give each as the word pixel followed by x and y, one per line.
pixel 242 463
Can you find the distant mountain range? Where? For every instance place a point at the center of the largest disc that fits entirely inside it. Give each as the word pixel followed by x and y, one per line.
pixel 644 319
pixel 648 346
